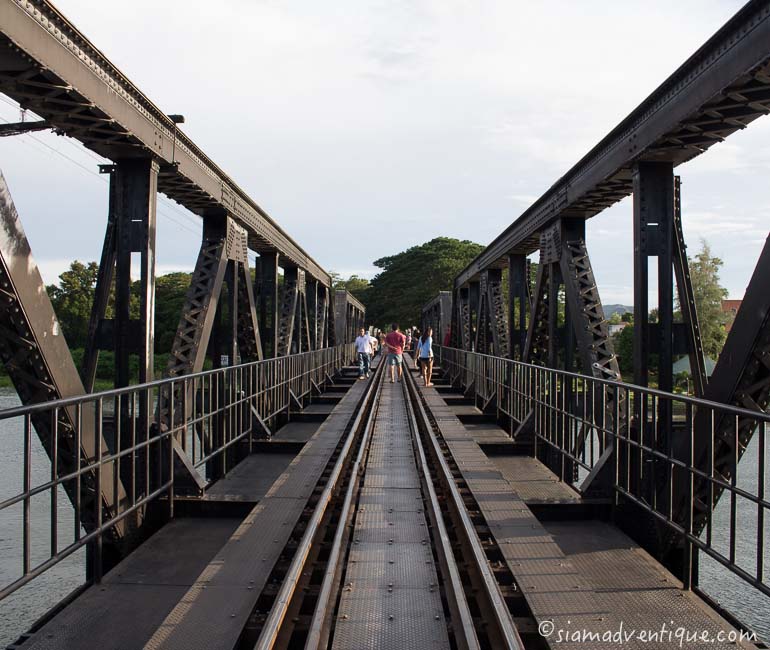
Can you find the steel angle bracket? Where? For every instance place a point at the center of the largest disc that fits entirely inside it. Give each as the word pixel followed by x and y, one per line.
pixel 187 479
pixel 258 419
pixel 296 400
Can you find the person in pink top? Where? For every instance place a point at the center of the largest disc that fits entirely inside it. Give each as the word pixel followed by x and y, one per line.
pixel 395 341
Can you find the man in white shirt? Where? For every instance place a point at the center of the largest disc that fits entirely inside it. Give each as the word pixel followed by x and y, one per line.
pixel 365 350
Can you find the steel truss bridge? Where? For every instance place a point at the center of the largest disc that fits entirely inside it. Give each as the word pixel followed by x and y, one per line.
pixel 528 499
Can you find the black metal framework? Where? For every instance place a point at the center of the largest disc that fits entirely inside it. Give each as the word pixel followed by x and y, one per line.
pixel 130 229
pixel 438 314
pixel 40 365
pixel 222 260
pixel 348 316
pixel 649 473
pixel 208 413
pixel 720 89
pixel 51 68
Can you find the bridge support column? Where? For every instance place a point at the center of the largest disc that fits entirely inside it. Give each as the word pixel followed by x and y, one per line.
pixel 287 340
pixel 518 302
pixel 491 319
pixel 312 286
pixel 135 200
pixel 268 301
pixel 653 237
pixel 463 318
pixel 130 229
pixel 474 295
pixel 222 259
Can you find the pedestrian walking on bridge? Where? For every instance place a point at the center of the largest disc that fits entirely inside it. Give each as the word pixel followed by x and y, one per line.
pixel 395 341
pixel 424 352
pixel 365 349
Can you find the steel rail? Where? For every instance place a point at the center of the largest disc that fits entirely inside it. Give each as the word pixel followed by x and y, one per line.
pixel 274 620
pixel 720 89
pixel 509 635
pixel 462 619
pixel 55 71
pixel 318 631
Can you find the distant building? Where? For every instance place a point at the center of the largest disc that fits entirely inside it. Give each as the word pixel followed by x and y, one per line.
pixel 615 328
pixel 730 307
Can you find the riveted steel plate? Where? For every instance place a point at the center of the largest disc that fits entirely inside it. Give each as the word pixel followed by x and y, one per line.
pixel 387 479
pixel 408 565
pixel 398 619
pixel 394 527
pixel 395 499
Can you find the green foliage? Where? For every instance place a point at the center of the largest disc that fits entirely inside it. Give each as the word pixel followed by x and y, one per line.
pixel 72 300
pixel 170 292
pixel 410 278
pixel 359 287
pixel 623 343
pixel 708 293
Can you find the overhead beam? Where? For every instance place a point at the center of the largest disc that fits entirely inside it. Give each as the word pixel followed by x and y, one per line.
pixel 720 89
pixel 50 67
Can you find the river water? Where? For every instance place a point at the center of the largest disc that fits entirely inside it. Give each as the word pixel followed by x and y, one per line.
pixel 19 611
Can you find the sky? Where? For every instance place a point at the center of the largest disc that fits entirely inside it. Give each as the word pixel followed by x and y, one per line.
pixel 364 127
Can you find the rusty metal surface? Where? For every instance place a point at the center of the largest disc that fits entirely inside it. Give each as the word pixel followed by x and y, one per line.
pixel 631 585
pixel 390 598
pixel 578 587
pixel 148 583
pixel 201 586
pixel 533 481
pixel 44 51
pixel 251 479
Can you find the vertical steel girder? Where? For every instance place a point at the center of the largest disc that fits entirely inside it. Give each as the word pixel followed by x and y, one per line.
pixel 130 229
pixel 136 191
pixel 287 317
pixel 322 316
pixel 687 299
pixel 248 336
pixel 518 302
pixel 312 312
pixel 267 275
pixel 224 245
pixel 464 318
pixel 482 342
pixel 39 362
pixel 491 320
pixel 98 338
pixel 537 342
pixel 584 305
pixel 474 290
pixel 653 237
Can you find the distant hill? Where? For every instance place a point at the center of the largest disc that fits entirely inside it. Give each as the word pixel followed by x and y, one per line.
pixel 617 309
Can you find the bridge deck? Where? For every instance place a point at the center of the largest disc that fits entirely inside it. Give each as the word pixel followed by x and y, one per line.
pixel 391 598
pixel 197 582
pixel 575 575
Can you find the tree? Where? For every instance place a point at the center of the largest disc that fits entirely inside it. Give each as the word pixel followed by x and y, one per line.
pixel 72 300
pixel 170 293
pixel 358 287
pixel 623 344
pixel 411 278
pixel 708 293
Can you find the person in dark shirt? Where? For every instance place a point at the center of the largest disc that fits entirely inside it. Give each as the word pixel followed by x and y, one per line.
pixel 395 341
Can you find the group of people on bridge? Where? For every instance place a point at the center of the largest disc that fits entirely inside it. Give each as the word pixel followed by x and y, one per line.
pixel 392 348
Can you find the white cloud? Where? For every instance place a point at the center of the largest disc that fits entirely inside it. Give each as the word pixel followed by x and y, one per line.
pixel 417 118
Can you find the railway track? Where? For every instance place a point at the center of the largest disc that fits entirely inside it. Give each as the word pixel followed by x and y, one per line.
pixel 391 552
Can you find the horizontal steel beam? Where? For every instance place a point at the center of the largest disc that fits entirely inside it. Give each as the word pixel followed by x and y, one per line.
pixel 48 66
pixel 720 89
